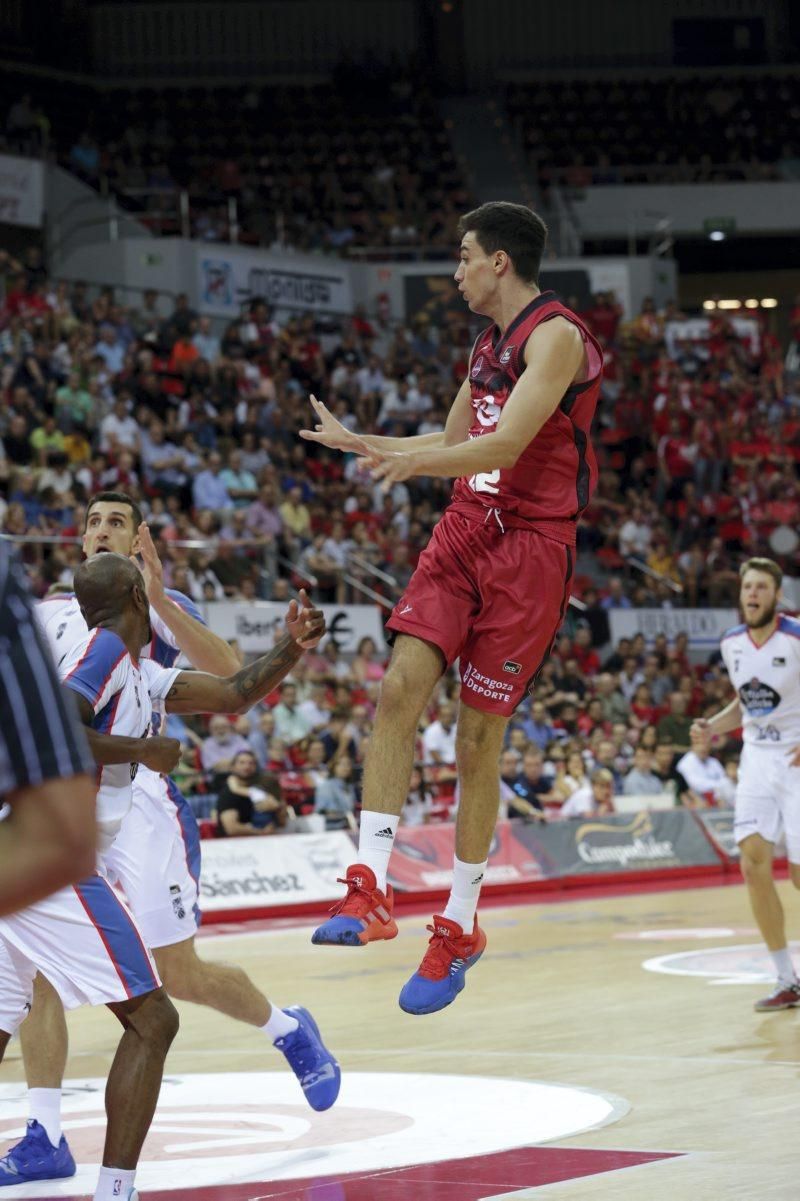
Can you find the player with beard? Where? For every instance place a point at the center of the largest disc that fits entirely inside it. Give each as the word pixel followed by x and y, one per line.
pixel 156 856
pixel 762 657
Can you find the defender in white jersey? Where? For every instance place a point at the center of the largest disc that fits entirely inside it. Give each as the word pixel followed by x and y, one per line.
pixel 762 657
pixel 114 524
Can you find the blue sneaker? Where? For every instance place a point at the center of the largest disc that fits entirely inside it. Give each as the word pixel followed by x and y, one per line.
pixel 440 977
pixel 35 1158
pixel 310 1060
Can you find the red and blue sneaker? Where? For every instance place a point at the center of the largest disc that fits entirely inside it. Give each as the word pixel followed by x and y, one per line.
pixel 35 1158
pixel 440 977
pixel 310 1060
pixel 365 914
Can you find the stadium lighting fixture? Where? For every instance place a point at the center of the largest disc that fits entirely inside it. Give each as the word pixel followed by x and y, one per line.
pixel 769 303
pixel 717 235
pixel 729 304
pixel 751 304
pixel 709 304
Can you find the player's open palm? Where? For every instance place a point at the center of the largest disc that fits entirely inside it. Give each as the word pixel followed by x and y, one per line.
pixel 304 623
pixel 151 567
pixel 330 431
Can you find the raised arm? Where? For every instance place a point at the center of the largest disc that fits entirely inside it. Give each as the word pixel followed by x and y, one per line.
pixel 205 650
pixel 196 692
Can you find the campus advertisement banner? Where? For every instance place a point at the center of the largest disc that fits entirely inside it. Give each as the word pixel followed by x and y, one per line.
pixel 636 842
pixel 422 859
pixel 704 627
pixel 228 279
pixel 258 873
pixel 254 624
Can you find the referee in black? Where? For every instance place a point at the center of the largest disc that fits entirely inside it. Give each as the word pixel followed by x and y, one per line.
pixel 47 788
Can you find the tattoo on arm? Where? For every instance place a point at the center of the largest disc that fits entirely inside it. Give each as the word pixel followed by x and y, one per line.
pixel 259 678
pixel 196 692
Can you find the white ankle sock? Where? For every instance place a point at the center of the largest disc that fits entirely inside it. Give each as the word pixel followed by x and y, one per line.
pixel 280 1024
pixel 463 900
pixel 44 1105
pixel 115 1184
pixel 375 841
pixel 784 966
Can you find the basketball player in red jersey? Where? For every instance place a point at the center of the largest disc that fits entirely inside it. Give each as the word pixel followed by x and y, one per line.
pixel 493 583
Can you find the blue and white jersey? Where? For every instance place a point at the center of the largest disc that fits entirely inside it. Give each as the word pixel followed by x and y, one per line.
pixel 64 625
pixel 123 694
pixel 62 621
pixel 767 682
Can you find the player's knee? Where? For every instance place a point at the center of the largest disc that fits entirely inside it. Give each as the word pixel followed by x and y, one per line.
pixel 756 868
pixel 157 1021
pixel 399 698
pixel 472 747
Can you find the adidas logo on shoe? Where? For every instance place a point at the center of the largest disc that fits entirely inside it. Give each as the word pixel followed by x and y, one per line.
pixel 385 833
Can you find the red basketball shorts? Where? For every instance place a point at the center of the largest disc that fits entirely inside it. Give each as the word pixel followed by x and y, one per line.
pixel 492 600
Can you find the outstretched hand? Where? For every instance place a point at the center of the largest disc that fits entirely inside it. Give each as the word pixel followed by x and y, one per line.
pixel 391 467
pixel 150 565
pixel 305 624
pixel 330 432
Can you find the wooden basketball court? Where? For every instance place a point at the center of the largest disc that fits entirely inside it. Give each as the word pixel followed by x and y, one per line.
pixel 690 1095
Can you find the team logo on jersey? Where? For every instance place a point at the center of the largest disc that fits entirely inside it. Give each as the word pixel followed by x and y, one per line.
pixel 60 630
pixel 476 367
pixel 512 668
pixel 758 698
pixel 177 902
pixel 778 661
pixel 505 357
pixel 487 411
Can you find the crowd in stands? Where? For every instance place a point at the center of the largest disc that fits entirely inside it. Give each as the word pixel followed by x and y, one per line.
pixel 698 442
pixel 365 160
pixel 710 128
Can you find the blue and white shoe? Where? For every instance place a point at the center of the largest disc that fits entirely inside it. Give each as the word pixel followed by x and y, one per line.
pixel 440 977
pixel 310 1060
pixel 35 1158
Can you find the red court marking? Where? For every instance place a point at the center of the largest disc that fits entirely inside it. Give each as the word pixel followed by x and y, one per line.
pixel 450 1180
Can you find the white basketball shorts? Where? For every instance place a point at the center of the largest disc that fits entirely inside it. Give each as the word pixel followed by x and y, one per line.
pixel 84 940
pixel 768 797
pixel 155 859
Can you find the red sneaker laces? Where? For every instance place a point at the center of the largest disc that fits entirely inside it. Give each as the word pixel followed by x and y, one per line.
pixel 441 952
pixel 352 887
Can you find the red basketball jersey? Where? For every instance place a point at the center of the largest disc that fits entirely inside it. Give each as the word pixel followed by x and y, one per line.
pixel 554 477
